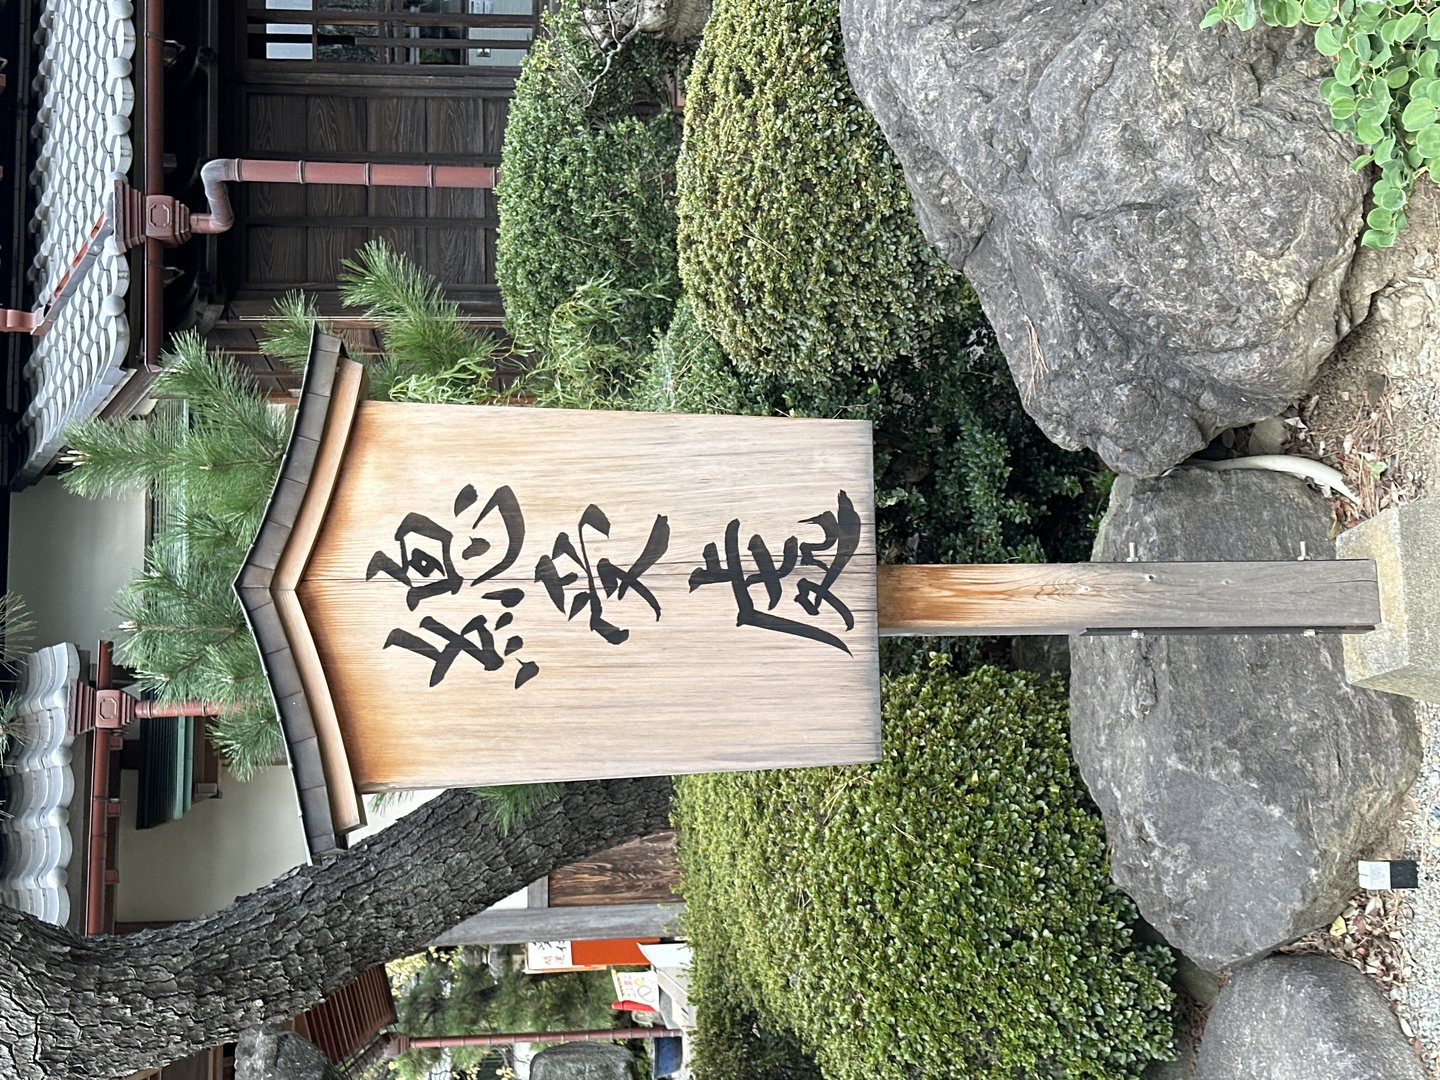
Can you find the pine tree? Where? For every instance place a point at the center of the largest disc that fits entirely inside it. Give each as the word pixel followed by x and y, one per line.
pixel 185 635
pixel 430 353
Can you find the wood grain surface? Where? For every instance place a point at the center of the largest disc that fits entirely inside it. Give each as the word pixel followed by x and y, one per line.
pixel 699 688
pixel 1076 598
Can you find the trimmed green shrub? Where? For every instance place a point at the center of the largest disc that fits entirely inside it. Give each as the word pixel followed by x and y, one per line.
pixel 688 373
pixel 586 185
pixel 947 912
pixel 798 246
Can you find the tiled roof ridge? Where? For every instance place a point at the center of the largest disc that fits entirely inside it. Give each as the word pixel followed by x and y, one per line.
pixel 84 85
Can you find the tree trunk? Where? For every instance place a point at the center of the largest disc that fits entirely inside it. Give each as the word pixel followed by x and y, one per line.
pixel 108 1006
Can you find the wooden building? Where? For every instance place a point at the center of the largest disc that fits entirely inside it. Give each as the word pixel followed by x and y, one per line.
pixel 145 92
pixel 384 81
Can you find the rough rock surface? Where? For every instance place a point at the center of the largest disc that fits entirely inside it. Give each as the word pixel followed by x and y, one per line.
pixel 1303 1018
pixel 1239 776
pixel 613 21
pixel 583 1061
pixel 272 1053
pixel 1158 219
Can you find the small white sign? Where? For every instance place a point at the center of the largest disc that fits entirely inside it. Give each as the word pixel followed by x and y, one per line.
pixel 547 956
pixel 1374 875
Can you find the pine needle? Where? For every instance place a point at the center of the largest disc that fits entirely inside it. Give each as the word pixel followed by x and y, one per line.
pixel 513 805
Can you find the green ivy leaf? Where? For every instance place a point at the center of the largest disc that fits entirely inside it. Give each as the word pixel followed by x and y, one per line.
pixel 1428 142
pixel 1287 13
pixel 1397 77
pixel 1405 28
pixel 1316 12
pixel 1432 29
pixel 1417 114
pixel 1391 198
pixel 1212 18
pixel 1368 131
pixel 1384 150
pixel 1327 40
pixel 1381 219
pixel 1343 108
pixel 1376 238
pixel 1247 16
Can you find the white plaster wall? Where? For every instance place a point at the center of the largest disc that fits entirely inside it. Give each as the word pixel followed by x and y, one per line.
pixel 69 557
pixel 221 849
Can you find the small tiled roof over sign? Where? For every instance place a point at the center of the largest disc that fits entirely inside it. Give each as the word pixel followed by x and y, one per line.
pixel 82 146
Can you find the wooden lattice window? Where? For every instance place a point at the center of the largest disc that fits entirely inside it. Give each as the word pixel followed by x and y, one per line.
pixel 450 33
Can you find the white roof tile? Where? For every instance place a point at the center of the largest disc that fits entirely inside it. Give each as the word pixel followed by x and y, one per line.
pixel 35 832
pixel 82 136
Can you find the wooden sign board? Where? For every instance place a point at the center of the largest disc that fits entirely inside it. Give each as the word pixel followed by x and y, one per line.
pixel 479 595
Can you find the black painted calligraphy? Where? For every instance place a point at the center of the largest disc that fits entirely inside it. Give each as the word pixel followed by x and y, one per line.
pixel 427 566
pixel 603 576
pixel 813 591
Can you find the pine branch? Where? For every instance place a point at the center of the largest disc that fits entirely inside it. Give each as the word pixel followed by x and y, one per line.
pixel 289 330
pixel 420 327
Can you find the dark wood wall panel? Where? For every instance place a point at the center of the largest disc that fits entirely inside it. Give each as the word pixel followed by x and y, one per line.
pixel 397 123
pixel 275 255
pixel 273 124
pixel 328 248
pixel 643 871
pixel 291 236
pixel 457 257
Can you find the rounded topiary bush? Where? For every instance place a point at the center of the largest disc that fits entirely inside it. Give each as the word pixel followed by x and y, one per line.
pixel 947 912
pixel 798 246
pixel 587 187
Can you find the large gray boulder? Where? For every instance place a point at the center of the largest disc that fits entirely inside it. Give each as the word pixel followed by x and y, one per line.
pixel 1239 776
pixel 583 1061
pixel 1158 219
pixel 1304 1018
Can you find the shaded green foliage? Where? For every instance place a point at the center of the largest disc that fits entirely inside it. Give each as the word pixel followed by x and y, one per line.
pixel 586 186
pixel 687 372
pixel 451 992
pixel 798 246
pixel 590 356
pixel 946 912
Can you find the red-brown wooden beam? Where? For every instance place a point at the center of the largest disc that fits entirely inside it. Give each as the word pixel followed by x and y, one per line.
pixel 409 1042
pixel 994 600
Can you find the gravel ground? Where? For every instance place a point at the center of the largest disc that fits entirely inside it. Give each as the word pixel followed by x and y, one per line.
pixel 1419 927
pixel 1374 414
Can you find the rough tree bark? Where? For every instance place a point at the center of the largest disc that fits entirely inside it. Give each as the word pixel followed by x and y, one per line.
pixel 108 1006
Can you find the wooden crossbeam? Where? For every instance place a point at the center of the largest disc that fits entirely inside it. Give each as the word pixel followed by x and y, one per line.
pixel 985 600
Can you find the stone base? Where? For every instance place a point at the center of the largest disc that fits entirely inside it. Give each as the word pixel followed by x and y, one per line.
pixel 1402 654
